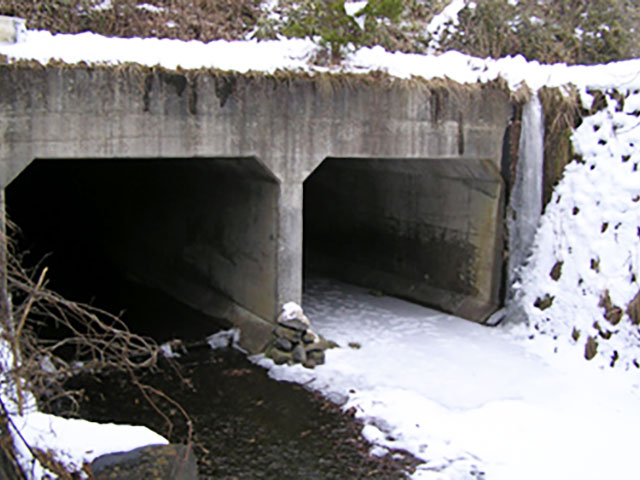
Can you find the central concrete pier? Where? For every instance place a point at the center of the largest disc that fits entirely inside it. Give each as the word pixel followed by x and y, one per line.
pixel 214 187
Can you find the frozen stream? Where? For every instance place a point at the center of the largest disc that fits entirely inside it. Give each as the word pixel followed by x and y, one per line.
pixel 471 401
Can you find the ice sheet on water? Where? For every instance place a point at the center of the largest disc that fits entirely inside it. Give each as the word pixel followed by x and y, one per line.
pixel 471 401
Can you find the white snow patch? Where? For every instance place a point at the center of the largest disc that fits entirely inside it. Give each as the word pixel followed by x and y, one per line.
pixel 74 442
pixel 224 339
pixel 448 18
pixel 353 8
pixel 104 5
pixel 295 54
pixel 472 402
pixel 291 310
pixel 150 8
pixel 171 349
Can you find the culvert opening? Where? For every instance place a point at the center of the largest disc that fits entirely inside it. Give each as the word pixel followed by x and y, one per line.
pixel 426 230
pixel 117 232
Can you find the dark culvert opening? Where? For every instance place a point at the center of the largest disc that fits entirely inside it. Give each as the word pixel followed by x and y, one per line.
pixel 425 230
pixel 151 237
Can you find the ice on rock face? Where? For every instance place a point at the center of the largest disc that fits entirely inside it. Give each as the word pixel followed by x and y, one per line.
pixel 525 203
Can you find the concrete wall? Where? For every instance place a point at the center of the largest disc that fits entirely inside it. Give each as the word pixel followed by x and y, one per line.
pixel 288 126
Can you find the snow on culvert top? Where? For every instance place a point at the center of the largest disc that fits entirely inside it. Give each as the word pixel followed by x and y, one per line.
pixel 294 54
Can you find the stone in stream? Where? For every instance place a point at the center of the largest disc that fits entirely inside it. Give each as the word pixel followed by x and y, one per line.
pixel 279 357
pixel 293 317
pixel 299 354
pixel 309 337
pixel 283 344
pixel 154 462
pixel 294 341
pixel 295 324
pixel 316 356
pixel 289 334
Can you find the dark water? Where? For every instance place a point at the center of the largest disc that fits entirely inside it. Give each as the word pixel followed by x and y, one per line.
pixel 245 425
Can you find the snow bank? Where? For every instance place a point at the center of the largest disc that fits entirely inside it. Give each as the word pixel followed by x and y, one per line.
pixel 472 402
pixel 295 54
pixel 71 442
pixel 74 442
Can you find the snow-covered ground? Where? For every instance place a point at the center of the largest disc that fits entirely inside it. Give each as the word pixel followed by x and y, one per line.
pixel 471 401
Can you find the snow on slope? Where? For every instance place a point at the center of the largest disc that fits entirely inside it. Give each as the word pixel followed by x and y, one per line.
pixel 590 233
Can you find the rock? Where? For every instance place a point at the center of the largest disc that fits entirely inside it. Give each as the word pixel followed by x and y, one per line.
pixel 556 271
pixel 283 344
pixel 590 348
pixel 280 357
pixel 544 302
pixel 294 324
pixel 292 312
pixel 291 335
pixel 317 356
pixel 614 315
pixel 315 347
pixel 299 354
pixel 154 462
pixel 309 337
pixel 633 309
pixel 309 363
pixel 327 344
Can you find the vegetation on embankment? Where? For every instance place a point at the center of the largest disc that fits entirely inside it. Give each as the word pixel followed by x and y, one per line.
pixel 571 31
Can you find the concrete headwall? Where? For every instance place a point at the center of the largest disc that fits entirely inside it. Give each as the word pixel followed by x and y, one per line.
pixel 244 146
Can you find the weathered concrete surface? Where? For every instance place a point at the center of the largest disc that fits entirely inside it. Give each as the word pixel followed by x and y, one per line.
pixel 288 127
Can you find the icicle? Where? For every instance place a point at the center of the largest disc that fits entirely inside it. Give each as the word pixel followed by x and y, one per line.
pixel 525 205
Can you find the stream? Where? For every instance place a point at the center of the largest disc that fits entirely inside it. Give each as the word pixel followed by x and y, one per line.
pixel 245 425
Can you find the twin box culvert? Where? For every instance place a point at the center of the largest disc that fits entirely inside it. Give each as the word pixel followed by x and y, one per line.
pixel 224 205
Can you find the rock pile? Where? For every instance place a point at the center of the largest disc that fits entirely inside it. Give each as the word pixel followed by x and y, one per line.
pixel 294 341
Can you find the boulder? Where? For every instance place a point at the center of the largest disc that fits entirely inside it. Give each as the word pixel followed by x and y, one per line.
pixel 154 462
pixel 294 324
pixel 279 357
pixel 299 354
pixel 288 333
pixel 283 344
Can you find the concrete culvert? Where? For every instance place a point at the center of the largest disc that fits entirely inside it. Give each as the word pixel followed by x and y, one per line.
pixel 202 231
pixel 423 229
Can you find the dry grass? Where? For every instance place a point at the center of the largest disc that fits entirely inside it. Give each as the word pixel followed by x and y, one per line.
pixel 562 113
pixel 180 19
